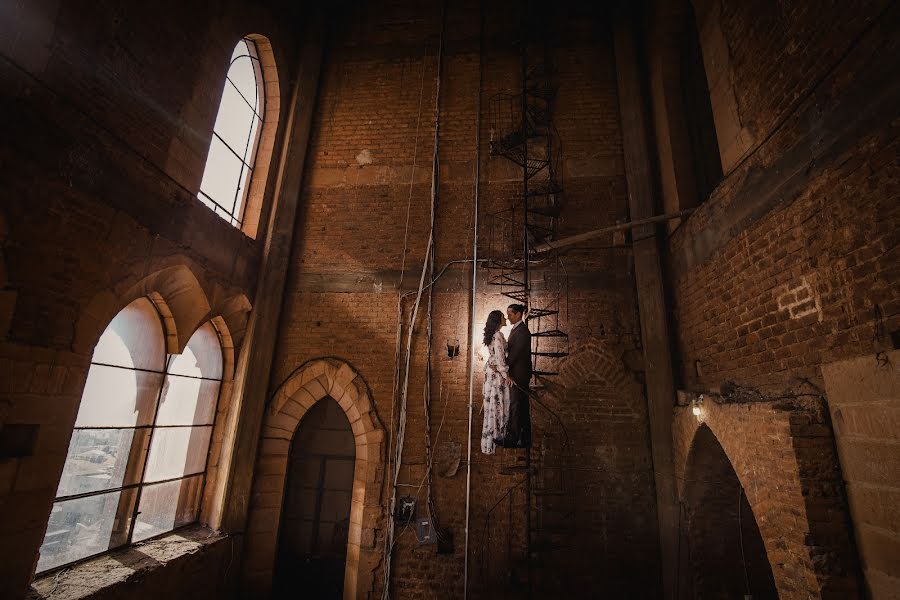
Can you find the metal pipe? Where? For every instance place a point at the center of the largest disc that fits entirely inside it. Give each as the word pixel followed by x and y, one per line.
pixel 526 255
pixel 589 235
pixel 474 290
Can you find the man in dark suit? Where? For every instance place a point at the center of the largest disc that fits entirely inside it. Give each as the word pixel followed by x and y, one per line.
pixel 518 346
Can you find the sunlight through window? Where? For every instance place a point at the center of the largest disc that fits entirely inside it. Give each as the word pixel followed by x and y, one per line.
pixel 232 151
pixel 137 457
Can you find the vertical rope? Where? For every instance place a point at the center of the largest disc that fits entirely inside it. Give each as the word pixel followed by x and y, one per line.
pixel 389 507
pixel 427 266
pixel 471 340
pixel 435 188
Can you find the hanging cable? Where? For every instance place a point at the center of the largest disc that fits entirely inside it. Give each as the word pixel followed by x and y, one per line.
pixel 435 189
pixel 471 340
pixel 389 508
pixel 427 267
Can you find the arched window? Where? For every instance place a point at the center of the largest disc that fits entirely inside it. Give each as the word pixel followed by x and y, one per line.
pixel 138 454
pixel 235 141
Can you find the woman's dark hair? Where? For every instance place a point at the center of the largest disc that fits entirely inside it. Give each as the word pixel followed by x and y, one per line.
pixel 493 324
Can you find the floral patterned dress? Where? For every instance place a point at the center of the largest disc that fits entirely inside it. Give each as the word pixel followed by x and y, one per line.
pixel 496 395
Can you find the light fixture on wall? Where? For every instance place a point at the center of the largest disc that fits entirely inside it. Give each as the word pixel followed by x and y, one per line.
pixel 452 347
pixel 695 405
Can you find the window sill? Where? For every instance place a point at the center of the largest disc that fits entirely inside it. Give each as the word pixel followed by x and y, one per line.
pixel 127 567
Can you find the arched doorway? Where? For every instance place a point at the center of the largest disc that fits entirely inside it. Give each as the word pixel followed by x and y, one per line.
pixel 722 554
pixel 315 519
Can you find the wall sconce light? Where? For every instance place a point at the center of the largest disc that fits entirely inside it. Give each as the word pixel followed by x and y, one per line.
pixel 452 347
pixel 695 405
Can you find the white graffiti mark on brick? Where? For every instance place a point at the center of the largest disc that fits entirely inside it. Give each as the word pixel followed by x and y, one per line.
pixel 800 300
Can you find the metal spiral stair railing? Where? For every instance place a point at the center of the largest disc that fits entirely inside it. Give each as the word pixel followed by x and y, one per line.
pixel 522 131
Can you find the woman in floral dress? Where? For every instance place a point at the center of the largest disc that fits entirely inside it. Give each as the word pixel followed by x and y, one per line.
pixel 496 390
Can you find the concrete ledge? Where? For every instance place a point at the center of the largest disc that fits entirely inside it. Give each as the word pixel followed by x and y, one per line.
pixel 192 562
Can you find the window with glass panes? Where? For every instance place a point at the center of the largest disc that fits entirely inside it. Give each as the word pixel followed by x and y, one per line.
pixel 232 150
pixel 137 458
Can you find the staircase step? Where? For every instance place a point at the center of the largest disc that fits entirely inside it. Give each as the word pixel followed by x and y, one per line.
pixel 510 146
pixel 544 373
pixel 546 211
pixel 550 333
pixel 536 313
pixel 505 280
pixel 521 297
pixel 537 230
pixel 544 189
pixel 516 470
pixel 534 166
pixel 511 265
pixel 551 354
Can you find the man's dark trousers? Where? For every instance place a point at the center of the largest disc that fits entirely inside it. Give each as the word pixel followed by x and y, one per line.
pixel 518 430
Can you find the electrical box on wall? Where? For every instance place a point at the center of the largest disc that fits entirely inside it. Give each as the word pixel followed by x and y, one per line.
pixel 406 510
pixel 425 531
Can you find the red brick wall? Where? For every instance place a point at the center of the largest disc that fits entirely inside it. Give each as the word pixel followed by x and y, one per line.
pixel 764 58
pixel 780 271
pixel 779 51
pixel 798 285
pixel 342 292
pixel 792 261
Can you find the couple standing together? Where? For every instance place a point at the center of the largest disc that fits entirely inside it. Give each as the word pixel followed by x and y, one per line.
pixel 507 373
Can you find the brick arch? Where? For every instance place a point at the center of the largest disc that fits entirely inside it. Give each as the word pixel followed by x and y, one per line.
pixel 766 467
pixel 719 525
pixel 594 359
pixel 317 379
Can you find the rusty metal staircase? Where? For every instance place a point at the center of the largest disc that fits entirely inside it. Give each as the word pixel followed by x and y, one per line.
pixel 523 132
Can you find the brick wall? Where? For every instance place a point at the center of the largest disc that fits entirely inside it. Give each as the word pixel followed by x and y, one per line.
pixel 790 264
pixel 110 109
pixel 374 117
pixel 724 554
pixel 763 58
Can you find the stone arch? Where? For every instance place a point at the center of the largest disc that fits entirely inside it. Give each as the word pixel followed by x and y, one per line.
pixel 317 379
pixel 259 182
pixel 234 311
pixel 227 342
pixel 175 286
pixel 186 299
pixel 767 469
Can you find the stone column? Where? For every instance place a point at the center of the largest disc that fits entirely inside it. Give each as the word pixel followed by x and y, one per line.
pixel 651 298
pixel 255 362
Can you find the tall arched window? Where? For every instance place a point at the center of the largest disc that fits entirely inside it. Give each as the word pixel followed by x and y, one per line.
pixel 235 141
pixel 138 454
